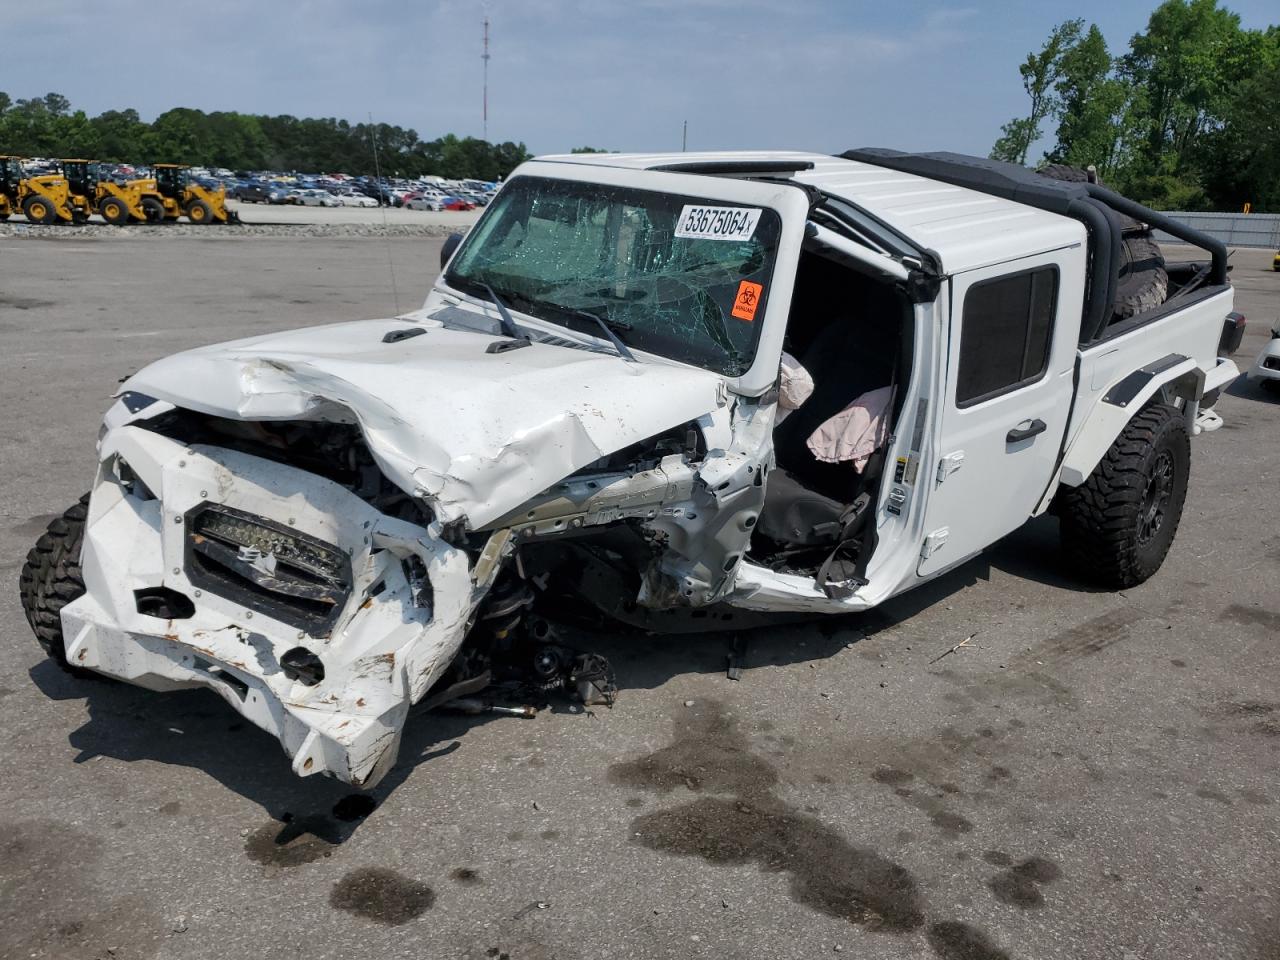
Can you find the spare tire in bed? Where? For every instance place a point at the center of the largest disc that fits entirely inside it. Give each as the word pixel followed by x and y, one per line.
pixel 1143 282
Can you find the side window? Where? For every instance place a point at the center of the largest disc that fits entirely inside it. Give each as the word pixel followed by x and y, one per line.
pixel 1005 334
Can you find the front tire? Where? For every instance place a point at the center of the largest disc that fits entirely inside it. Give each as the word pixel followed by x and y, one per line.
pixel 199 212
pixel 114 212
pixel 39 210
pixel 1117 526
pixel 51 579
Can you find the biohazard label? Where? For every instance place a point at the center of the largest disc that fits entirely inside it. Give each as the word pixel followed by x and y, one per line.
pixel 717 223
pixel 747 300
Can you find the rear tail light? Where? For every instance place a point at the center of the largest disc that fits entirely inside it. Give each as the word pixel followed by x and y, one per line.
pixel 1232 334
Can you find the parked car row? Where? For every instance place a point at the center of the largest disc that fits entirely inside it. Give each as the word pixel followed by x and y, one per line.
pixel 420 199
pixel 339 190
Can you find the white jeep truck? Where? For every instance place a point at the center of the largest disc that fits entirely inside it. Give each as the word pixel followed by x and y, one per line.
pixel 330 525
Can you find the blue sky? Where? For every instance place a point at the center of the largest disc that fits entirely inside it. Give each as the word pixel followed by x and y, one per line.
pixel 621 74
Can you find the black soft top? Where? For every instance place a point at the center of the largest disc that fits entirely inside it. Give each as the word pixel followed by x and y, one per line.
pixel 1099 209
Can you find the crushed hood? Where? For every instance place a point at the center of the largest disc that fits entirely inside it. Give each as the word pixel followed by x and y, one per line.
pixel 478 433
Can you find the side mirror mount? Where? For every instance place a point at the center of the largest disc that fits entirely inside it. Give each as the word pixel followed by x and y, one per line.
pixel 446 250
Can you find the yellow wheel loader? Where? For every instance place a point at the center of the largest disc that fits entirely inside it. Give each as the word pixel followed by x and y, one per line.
pixel 171 193
pixel 45 198
pixel 118 204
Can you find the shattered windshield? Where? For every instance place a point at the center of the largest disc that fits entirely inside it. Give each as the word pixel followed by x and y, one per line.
pixel 681 277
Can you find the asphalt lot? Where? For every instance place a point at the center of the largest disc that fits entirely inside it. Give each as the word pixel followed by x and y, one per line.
pixel 1093 775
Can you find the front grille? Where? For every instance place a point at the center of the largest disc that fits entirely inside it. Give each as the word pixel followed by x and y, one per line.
pixel 268 567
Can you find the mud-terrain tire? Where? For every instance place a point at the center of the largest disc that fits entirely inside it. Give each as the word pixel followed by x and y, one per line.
pixel 1117 527
pixel 1062 171
pixel 1069 174
pixel 1143 282
pixel 51 579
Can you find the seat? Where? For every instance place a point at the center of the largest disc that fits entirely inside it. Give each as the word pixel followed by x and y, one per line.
pixel 795 516
pixel 844 362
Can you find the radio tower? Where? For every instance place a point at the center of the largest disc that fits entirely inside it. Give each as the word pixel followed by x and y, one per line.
pixel 485 57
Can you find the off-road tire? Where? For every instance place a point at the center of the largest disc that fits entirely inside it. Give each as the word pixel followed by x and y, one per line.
pixel 39 210
pixel 153 210
pixel 200 212
pixel 1271 386
pixel 1143 283
pixel 115 212
pixel 1117 527
pixel 51 579
pixel 1065 172
pixel 1061 171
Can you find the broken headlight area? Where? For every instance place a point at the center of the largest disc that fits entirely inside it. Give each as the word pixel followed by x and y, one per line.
pixel 268 567
pixel 686 440
pixel 332 450
pixel 118 470
pixel 316 616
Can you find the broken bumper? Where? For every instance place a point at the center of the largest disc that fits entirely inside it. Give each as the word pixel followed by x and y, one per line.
pixel 384 628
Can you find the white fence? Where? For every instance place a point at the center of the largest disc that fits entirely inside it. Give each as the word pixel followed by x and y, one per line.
pixel 1233 229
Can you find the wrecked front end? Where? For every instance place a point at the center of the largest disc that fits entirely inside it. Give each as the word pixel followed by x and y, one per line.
pixel 320 607
pixel 277 562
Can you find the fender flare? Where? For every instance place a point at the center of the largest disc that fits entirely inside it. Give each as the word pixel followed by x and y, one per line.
pixel 1124 398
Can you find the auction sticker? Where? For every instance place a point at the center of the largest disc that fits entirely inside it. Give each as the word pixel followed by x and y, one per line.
pixel 717 223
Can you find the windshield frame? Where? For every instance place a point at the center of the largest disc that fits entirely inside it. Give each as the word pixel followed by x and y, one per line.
pixel 776 273
pixel 790 199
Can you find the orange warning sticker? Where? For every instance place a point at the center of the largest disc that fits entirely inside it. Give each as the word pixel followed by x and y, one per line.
pixel 748 298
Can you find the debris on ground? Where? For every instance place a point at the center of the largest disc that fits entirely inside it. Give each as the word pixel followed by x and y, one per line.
pixel 951 651
pixel 530 908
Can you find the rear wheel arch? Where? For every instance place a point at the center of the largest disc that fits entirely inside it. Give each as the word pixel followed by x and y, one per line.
pixel 1118 525
pixel 1174 380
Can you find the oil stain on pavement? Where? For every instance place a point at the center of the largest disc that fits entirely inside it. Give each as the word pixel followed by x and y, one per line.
pixel 1019 886
pixel 739 820
pixel 294 840
pixel 959 941
pixel 381 895
pixel 290 844
pixel 828 874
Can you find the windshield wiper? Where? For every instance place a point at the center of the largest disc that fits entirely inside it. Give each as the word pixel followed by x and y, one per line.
pixel 504 317
pixel 607 326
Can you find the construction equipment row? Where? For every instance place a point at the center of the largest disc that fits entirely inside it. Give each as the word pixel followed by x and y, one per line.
pixel 83 188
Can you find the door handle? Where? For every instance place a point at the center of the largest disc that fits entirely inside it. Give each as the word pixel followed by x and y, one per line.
pixel 1025 433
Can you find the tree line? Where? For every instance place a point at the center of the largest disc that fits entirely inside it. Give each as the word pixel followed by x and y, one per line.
pixel 1185 119
pixel 48 127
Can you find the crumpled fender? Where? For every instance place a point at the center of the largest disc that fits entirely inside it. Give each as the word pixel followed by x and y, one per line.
pixel 476 434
